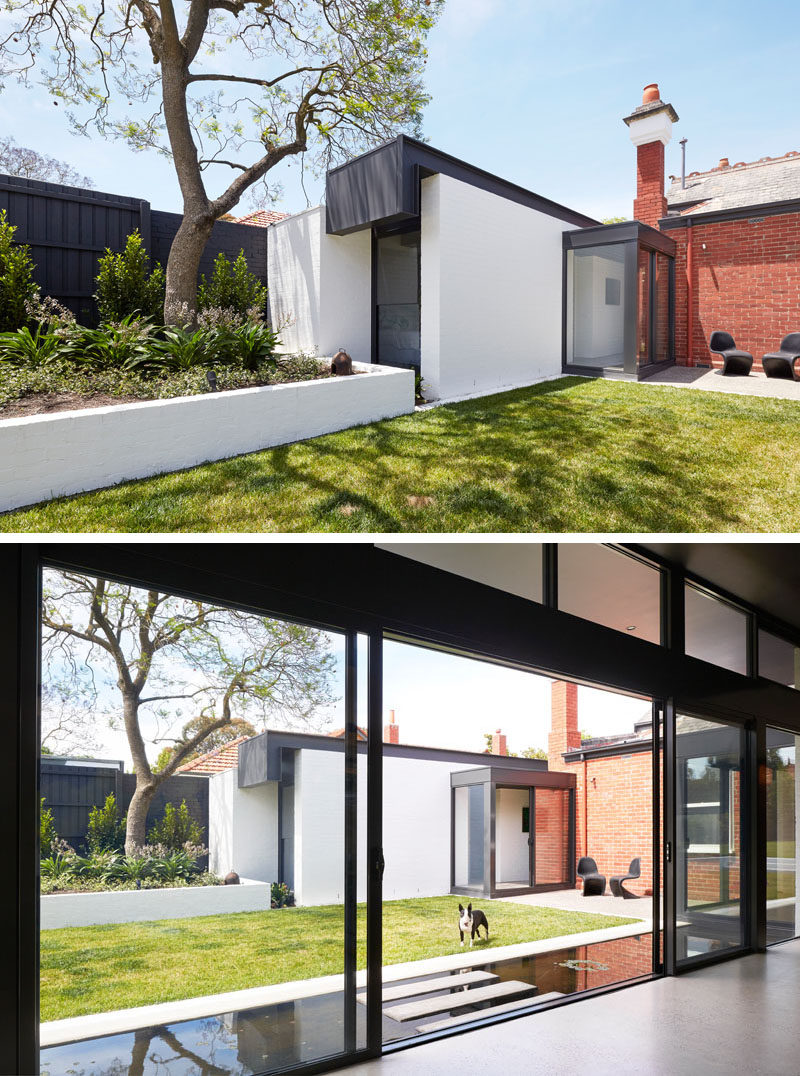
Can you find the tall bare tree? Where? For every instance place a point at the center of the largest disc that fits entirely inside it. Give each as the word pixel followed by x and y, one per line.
pixel 16 160
pixel 160 656
pixel 236 84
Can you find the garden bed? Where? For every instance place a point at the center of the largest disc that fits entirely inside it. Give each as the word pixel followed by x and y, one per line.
pixel 59 910
pixel 60 386
pixel 50 455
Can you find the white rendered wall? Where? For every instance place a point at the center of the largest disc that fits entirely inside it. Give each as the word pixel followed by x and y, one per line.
pixel 491 290
pixel 416 827
pixel 319 827
pixel 511 844
pixel 320 286
pixel 243 828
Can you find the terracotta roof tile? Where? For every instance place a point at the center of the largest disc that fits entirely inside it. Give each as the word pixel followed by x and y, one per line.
pixel 216 761
pixel 262 218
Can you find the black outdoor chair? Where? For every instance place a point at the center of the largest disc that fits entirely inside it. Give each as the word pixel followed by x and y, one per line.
pixel 733 361
pixel 618 889
pixel 594 883
pixel 780 363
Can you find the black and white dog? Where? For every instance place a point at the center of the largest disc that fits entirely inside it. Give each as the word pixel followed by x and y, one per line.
pixel 470 922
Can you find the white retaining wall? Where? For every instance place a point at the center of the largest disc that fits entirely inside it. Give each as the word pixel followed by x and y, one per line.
pixel 135 906
pixel 320 286
pixel 491 290
pixel 49 456
pixel 242 828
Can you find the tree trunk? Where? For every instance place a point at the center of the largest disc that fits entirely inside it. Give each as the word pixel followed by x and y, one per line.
pixel 183 265
pixel 136 831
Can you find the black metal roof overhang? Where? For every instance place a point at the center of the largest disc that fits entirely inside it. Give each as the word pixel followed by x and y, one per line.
pixel 260 756
pixel 381 187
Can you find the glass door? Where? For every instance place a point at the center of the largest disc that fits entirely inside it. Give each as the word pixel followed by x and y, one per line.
pixel 783 910
pixel 709 837
pixel 240 883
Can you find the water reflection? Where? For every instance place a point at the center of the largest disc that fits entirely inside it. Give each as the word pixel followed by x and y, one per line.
pixel 275 1038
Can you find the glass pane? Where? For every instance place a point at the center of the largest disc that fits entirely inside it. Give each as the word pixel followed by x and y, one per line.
pixel 398 313
pixel 783 786
pixel 224 890
pixel 551 836
pixel 487 803
pixel 513 567
pixel 643 355
pixel 708 857
pixel 596 301
pixel 715 631
pixel 512 834
pixel 778 659
pixel 610 588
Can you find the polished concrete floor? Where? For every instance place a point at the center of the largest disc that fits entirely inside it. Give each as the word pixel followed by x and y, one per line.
pixel 741 1017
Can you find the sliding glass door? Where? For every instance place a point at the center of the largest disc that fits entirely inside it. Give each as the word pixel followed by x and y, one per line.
pixel 710 837
pixel 782 788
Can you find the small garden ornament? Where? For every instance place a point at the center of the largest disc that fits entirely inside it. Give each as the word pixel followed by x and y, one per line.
pixel 341 363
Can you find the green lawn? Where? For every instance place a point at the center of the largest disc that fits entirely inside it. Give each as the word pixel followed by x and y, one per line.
pixel 567 455
pixel 97 969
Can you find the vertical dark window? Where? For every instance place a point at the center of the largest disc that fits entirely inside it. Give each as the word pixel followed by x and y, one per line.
pixel 397 299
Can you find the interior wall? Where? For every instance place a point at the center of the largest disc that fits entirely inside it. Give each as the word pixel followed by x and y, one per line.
pixel 598 327
pixel 511 843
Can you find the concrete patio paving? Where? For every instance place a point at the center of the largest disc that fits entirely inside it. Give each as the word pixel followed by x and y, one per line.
pixel 573 900
pixel 697 377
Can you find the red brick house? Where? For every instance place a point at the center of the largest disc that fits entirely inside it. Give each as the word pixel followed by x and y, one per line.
pixel 736 229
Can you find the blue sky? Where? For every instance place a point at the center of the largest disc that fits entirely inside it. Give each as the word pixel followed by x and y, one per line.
pixel 535 91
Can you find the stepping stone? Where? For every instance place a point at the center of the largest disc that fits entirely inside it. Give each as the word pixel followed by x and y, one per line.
pixel 467 1017
pixel 431 986
pixel 418 1010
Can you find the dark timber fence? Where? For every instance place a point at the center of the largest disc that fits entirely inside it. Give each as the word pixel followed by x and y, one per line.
pixel 69 228
pixel 71 790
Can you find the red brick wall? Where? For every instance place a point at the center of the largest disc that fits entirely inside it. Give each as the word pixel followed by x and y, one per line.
pixel 564 733
pixel 552 836
pixel 617 823
pixel 650 205
pixel 746 281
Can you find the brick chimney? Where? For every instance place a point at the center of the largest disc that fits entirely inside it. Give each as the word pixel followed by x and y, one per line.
pixel 650 128
pixel 499 746
pixel 564 732
pixel 391 732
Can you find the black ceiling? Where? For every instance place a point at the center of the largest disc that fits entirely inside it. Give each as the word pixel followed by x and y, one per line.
pixel 765 574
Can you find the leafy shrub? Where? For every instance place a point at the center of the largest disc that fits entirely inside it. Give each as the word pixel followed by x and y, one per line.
pixel 281 896
pixel 59 866
pixel 47 829
pixel 121 345
pixel 248 346
pixel 127 286
pixel 174 866
pixel 134 868
pixel 233 287
pixel 99 865
pixel 30 349
pixel 106 830
pixel 176 829
pixel 179 349
pixel 16 278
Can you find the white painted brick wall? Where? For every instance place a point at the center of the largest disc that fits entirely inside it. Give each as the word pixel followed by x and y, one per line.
pixel 242 828
pixel 320 285
pixel 491 290
pixel 48 456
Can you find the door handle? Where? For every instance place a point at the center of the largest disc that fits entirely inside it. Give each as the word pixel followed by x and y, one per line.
pixel 668 851
pixel 379 863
